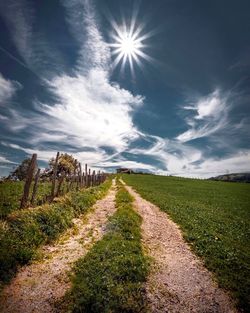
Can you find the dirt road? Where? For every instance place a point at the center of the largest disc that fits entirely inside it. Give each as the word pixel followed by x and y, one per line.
pixel 178 283
pixel 38 286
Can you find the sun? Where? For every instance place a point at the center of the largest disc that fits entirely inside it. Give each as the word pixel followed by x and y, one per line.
pixel 128 45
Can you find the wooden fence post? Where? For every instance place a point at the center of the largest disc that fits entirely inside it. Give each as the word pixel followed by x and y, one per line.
pixel 83 179
pixel 86 175
pixel 93 178
pixel 80 175
pixel 89 178
pixel 74 178
pixel 60 184
pixel 54 176
pixel 98 178
pixel 35 186
pixel 25 197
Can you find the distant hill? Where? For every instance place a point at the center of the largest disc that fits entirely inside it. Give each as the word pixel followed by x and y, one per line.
pixel 234 177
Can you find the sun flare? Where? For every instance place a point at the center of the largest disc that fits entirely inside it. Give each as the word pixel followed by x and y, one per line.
pixel 128 45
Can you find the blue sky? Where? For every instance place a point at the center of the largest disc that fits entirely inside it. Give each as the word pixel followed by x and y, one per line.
pixel 182 110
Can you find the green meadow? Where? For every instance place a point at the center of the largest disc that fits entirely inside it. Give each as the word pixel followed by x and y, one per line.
pixel 11 194
pixel 215 220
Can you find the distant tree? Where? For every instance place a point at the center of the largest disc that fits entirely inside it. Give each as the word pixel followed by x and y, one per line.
pixel 21 171
pixel 66 164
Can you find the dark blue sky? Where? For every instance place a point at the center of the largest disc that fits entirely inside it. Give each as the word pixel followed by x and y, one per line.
pixel 183 110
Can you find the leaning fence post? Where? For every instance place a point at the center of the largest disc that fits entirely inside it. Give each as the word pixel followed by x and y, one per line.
pixel 54 175
pixel 35 186
pixel 28 182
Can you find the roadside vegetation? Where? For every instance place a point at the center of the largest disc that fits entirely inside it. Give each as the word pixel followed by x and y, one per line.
pixel 23 231
pixel 110 278
pixel 65 169
pixel 214 218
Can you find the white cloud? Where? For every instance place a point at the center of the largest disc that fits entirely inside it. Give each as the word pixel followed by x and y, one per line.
pixel 39 55
pixel 92 111
pixel 5 161
pixel 18 16
pixel 211 115
pixel 7 89
pixel 94 114
pixel 94 52
pixel 128 164
pixel 42 155
pixel 236 163
pixel 173 155
pixel 184 160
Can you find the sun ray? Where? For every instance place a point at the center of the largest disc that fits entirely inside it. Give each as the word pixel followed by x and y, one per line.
pixel 128 43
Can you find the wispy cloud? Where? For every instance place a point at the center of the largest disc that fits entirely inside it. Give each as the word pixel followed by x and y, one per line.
pixel 237 162
pixel 175 157
pixel 31 43
pixel 94 51
pixel 43 155
pixel 18 16
pixel 210 115
pixel 90 111
pixel 7 89
pixel 93 116
pixel 5 161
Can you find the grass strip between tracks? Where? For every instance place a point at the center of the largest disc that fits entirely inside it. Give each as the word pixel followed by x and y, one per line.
pixel 110 278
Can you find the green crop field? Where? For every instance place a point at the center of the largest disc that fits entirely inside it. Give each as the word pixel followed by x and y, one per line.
pixel 215 220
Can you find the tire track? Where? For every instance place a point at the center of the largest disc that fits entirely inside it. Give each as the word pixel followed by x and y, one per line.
pixel 178 282
pixel 37 287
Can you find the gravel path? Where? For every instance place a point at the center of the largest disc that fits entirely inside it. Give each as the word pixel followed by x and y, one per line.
pixel 178 283
pixel 38 286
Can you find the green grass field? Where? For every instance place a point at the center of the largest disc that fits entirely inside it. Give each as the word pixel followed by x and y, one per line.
pixel 214 218
pixel 11 194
